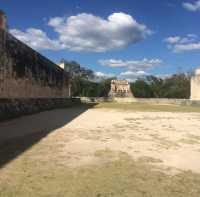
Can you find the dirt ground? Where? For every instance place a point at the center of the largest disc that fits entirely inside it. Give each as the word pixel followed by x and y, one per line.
pixel 102 151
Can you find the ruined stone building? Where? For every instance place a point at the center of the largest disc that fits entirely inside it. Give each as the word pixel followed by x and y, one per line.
pixel 120 88
pixel 195 86
pixel 25 73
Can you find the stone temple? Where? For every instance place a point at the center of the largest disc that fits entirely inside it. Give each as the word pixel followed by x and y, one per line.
pixel 120 88
pixel 195 85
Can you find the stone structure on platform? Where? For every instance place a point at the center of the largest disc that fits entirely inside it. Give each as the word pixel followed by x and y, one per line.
pixel 120 88
pixel 195 86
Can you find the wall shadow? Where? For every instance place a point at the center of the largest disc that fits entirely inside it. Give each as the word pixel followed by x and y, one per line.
pixel 17 135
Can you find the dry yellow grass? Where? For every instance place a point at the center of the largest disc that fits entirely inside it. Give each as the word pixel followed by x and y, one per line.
pixel 148 107
pixel 123 177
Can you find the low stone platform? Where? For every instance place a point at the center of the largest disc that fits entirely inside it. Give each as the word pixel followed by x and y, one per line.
pixel 11 108
pixel 141 100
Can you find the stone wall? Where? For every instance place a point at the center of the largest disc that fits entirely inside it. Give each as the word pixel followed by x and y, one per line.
pixel 141 100
pixel 12 108
pixel 24 73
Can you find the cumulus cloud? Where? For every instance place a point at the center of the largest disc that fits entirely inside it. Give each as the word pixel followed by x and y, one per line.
pixel 36 39
pixel 172 39
pixel 132 76
pixel 99 76
pixel 104 75
pixel 134 68
pixel 56 21
pixel 183 44
pixel 127 75
pixel 193 7
pixel 133 65
pixel 163 76
pixel 87 32
pixel 186 47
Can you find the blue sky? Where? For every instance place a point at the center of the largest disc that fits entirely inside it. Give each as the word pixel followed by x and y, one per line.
pixel 126 38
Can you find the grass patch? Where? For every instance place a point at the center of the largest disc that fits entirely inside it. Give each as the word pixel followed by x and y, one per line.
pixel 120 178
pixel 147 107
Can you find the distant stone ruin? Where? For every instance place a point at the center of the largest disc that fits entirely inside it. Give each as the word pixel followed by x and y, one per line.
pixel 120 88
pixel 195 86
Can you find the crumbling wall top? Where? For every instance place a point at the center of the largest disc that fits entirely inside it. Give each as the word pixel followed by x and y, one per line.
pixel 3 20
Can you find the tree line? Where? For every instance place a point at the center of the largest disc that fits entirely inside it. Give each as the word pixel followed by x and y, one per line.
pixel 83 83
pixel 174 86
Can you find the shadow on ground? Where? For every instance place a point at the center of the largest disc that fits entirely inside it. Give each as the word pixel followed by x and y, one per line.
pixel 18 135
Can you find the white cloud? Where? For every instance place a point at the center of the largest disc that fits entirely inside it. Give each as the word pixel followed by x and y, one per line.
pixel 127 75
pixel 172 39
pixel 36 39
pixel 193 7
pixel 99 76
pixel 133 65
pixel 132 76
pixel 163 76
pixel 56 21
pixel 178 39
pixel 178 48
pixel 134 68
pixel 87 32
pixel 104 75
pixel 183 44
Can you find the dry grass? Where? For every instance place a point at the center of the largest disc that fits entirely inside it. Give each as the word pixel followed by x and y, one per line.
pixel 146 107
pixel 123 177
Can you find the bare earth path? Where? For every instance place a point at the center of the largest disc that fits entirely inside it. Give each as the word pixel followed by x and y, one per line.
pixel 103 152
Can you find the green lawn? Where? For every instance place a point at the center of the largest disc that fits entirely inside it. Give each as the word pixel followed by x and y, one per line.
pixel 145 107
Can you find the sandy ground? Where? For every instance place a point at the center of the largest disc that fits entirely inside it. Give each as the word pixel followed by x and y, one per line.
pixel 170 141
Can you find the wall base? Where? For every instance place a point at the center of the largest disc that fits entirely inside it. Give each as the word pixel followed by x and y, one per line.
pixel 141 100
pixel 12 108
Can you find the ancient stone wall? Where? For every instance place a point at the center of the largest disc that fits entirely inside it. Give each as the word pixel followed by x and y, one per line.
pixel 12 108
pixel 160 101
pixel 24 73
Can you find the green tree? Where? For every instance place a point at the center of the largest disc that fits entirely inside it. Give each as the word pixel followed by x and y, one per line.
pixel 156 86
pixel 79 78
pixel 75 69
pixel 104 87
pixel 141 89
pixel 177 86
